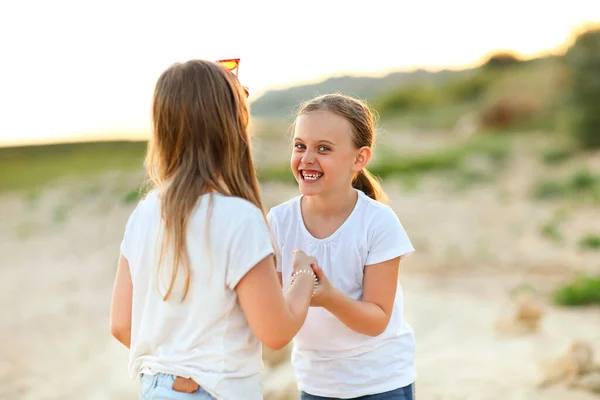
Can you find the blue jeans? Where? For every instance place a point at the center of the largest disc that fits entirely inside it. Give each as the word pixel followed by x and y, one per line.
pixel 403 393
pixel 159 387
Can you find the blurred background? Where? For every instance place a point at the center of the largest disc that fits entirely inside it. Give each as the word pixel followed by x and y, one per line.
pixel 488 146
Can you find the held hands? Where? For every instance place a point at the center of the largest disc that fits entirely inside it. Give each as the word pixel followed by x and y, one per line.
pixel 325 289
pixel 302 265
pixel 302 262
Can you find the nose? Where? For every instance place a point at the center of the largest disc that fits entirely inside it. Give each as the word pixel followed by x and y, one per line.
pixel 308 157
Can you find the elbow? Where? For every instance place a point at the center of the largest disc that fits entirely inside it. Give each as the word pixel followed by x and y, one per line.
pixel 374 332
pixel 279 340
pixel 377 329
pixel 276 344
pixel 120 332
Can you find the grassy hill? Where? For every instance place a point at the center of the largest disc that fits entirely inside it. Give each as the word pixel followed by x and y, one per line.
pixel 282 103
pixel 526 91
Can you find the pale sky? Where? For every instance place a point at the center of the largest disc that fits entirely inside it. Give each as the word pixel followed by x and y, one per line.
pixel 75 70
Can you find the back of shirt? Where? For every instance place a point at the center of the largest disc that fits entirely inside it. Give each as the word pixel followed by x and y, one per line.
pixel 206 336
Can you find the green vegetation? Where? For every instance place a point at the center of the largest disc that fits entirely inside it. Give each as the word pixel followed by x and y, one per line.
pixel 462 89
pixel 551 231
pixel 581 185
pixel 583 61
pixel 554 94
pixel 391 164
pixel 558 155
pixel 590 242
pixel 582 291
pixel 502 96
pixel 133 196
pixel 29 167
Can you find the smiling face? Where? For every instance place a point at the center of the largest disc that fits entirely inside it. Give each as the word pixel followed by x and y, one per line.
pixel 324 159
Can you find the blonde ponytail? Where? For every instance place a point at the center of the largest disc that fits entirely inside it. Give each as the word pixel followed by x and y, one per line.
pixel 370 185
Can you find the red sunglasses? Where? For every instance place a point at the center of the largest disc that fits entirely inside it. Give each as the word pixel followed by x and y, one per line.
pixel 233 64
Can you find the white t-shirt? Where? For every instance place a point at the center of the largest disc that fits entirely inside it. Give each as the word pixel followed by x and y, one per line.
pixel 205 337
pixel 329 359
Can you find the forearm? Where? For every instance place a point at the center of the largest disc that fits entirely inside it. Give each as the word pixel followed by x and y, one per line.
pixel 360 316
pixel 298 298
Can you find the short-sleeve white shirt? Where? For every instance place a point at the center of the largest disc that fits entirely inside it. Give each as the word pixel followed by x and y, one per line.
pixel 329 359
pixel 205 337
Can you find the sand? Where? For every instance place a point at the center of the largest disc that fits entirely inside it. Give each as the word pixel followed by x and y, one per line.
pixel 60 247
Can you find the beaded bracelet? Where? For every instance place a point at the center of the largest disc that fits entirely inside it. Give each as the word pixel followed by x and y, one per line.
pixel 306 271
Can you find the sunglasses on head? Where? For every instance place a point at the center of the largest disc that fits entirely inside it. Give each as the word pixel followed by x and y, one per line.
pixel 233 64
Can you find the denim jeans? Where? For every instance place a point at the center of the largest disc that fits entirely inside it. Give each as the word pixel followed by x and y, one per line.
pixel 403 393
pixel 159 387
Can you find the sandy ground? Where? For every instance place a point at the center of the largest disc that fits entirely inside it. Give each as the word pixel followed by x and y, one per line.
pixel 60 248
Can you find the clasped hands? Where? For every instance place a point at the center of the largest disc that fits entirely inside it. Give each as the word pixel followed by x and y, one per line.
pixel 300 261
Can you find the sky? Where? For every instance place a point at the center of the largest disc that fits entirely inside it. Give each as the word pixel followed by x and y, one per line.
pixel 81 70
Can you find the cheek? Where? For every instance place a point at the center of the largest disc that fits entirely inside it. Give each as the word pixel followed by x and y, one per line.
pixel 295 160
pixel 338 164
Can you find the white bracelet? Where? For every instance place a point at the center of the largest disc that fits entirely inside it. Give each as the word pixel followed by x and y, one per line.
pixel 309 272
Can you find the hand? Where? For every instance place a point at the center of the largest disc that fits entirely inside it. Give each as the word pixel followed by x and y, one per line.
pixel 325 290
pixel 301 260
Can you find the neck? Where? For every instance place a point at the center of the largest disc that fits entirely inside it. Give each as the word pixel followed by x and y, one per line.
pixel 331 204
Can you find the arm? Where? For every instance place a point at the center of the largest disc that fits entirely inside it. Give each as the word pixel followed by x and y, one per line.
pixel 120 310
pixel 277 256
pixel 275 318
pixel 371 315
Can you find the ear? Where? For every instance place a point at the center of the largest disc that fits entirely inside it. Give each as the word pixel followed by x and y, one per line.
pixel 363 156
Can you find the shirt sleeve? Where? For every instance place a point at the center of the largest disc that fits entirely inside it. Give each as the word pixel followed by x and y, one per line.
pixel 124 247
pixel 251 242
pixel 274 238
pixel 387 238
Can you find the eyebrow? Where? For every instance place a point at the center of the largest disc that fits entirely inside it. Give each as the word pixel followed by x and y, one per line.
pixel 319 141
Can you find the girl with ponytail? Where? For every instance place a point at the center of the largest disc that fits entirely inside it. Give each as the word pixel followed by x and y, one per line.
pixel 354 342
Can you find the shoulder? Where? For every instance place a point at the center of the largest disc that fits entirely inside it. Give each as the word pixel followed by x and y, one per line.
pixel 147 205
pixel 146 213
pixel 283 211
pixel 386 236
pixel 231 212
pixel 235 204
pixel 377 213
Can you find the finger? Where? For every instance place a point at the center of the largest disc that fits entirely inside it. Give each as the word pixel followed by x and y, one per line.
pixel 317 270
pixel 298 252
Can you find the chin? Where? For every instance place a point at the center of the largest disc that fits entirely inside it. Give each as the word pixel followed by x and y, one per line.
pixel 308 190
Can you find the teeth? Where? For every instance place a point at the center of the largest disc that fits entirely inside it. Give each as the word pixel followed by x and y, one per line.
pixel 311 177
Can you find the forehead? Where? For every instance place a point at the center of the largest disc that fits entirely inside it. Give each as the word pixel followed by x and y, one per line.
pixel 323 125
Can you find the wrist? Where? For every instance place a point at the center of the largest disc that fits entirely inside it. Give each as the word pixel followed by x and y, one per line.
pixel 329 297
pixel 305 274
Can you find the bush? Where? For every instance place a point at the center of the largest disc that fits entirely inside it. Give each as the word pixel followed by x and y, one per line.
pixel 583 61
pixel 409 98
pixel 501 60
pixel 470 88
pixel 508 112
pixel 581 184
pixel 590 242
pixel 583 291
pixel 557 155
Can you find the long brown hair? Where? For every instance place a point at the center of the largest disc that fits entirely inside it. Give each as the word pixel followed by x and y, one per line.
pixel 362 121
pixel 200 144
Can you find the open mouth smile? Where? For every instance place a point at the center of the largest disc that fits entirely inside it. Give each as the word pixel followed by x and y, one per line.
pixel 309 175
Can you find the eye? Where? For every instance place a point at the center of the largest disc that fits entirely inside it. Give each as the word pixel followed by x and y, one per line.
pixel 324 148
pixel 299 146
